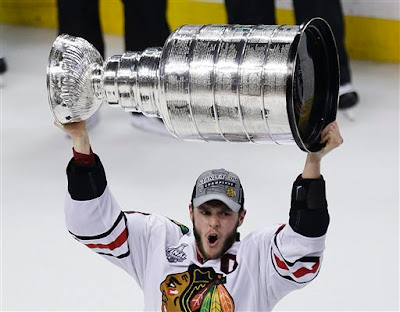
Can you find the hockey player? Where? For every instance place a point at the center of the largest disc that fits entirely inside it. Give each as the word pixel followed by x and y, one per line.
pixel 207 268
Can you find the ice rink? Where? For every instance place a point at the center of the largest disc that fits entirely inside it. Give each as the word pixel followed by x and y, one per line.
pixel 44 268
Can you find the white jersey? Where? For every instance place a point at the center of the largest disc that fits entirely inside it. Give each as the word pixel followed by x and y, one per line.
pixel 160 254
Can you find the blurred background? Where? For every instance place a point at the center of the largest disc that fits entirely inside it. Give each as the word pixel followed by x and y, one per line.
pixel 43 268
pixel 372 27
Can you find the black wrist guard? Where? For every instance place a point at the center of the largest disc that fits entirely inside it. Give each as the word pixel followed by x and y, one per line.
pixel 86 182
pixel 309 209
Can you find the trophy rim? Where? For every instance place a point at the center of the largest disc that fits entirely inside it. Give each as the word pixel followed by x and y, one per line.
pixel 330 106
pixel 50 96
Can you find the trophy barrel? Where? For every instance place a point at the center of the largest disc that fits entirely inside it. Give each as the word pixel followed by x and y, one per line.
pixel 258 84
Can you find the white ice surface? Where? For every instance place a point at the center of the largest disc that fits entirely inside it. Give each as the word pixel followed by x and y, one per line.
pixel 43 268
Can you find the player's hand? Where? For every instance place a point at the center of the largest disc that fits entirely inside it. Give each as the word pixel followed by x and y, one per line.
pixel 331 137
pixel 79 135
pixel 74 129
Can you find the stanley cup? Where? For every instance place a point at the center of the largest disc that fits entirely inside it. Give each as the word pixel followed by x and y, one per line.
pixel 230 83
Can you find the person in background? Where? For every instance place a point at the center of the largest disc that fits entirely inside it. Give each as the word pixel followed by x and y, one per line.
pixel 253 12
pixel 145 26
pixel 3 69
pixel 3 64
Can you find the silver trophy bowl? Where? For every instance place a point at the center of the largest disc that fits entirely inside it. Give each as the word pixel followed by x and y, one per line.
pixel 232 83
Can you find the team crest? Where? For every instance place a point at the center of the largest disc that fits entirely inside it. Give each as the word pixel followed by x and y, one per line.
pixel 176 254
pixel 196 290
pixel 230 192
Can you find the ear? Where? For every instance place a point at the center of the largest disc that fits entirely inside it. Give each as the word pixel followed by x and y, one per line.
pixel 191 211
pixel 241 216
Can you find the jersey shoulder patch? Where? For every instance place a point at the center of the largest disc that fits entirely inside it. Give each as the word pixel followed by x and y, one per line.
pixel 184 228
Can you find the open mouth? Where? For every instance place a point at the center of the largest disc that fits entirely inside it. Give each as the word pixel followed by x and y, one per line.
pixel 212 238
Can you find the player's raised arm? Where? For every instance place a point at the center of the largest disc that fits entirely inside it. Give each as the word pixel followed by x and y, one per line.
pixel 92 215
pixel 332 137
pixel 297 247
pixel 309 210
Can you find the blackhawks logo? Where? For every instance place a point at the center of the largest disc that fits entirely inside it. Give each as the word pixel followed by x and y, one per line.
pixel 230 192
pixel 196 290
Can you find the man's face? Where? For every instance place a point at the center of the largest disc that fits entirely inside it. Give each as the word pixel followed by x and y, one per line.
pixel 215 227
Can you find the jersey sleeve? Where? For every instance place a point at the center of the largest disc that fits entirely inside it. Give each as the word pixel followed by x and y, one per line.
pixel 296 249
pixel 94 218
pixel 290 255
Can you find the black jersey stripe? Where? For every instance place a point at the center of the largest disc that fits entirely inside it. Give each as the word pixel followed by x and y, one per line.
pixel 118 257
pixel 105 234
pixel 304 259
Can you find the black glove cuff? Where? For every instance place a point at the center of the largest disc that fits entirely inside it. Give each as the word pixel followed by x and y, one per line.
pixel 309 209
pixel 86 182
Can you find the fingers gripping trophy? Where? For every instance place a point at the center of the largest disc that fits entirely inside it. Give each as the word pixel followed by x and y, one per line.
pixel 231 83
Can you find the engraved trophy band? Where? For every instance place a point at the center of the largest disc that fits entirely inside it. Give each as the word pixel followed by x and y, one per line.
pixel 235 83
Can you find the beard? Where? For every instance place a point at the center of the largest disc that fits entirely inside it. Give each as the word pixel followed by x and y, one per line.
pixel 229 241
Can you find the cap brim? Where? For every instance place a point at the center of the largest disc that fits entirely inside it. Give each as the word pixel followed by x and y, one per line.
pixel 226 200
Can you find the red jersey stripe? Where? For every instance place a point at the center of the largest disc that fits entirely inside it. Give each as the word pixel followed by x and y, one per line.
pixel 300 272
pixel 122 238
pixel 282 265
pixel 303 271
